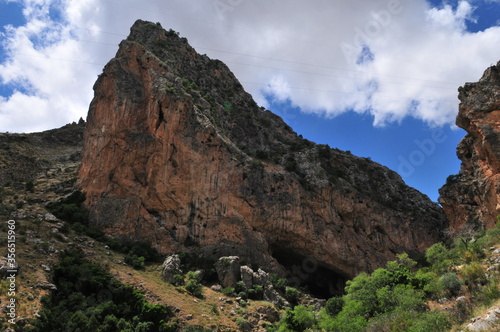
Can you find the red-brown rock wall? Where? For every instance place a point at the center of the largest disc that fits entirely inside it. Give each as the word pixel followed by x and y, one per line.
pixel 472 197
pixel 184 159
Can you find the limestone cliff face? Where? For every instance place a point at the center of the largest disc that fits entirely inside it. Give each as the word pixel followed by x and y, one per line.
pixel 473 195
pixel 178 154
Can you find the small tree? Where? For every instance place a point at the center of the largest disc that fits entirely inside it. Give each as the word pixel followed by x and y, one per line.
pixel 439 257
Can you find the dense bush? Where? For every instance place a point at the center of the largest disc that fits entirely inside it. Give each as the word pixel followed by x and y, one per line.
pixel 299 319
pixel 90 299
pixel 334 305
pixel 228 291
pixel 137 262
pixel 70 208
pixel 389 299
pixel 473 274
pixel 450 282
pixel 193 285
pixel 178 280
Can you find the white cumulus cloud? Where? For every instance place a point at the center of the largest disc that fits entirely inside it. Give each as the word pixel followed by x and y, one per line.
pixel 388 58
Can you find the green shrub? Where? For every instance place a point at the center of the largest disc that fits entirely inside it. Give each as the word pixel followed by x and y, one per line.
pixel 277 282
pixel 194 288
pixel 430 322
pixel 473 274
pixel 490 292
pixel 334 305
pixel 228 291
pixel 70 208
pixel 399 298
pixel 450 282
pixel 240 287
pixel 133 249
pixel 87 294
pixel 299 319
pixel 350 319
pixel 214 309
pixel 324 151
pixel 178 280
pixel 494 233
pixel 242 323
pixel 193 285
pixel 190 261
pixel 292 295
pixel 137 262
pixel 256 292
pixel 428 281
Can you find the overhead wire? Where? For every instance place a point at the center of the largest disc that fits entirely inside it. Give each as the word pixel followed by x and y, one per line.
pixel 267 66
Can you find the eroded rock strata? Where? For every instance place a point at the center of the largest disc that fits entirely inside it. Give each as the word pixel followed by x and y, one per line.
pixel 178 154
pixel 471 198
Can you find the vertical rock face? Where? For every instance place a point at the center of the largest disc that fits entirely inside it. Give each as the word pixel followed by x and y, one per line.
pixel 178 154
pixel 472 197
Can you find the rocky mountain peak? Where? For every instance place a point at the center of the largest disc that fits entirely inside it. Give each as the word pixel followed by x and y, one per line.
pixel 176 153
pixel 472 197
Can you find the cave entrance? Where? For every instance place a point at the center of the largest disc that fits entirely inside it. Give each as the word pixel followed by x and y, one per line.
pixel 305 271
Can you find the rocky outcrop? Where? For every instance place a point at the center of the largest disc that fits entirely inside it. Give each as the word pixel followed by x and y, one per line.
pixel 488 322
pixel 171 267
pixel 472 197
pixel 228 271
pixel 178 154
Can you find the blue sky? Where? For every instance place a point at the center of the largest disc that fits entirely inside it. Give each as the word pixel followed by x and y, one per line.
pixel 378 78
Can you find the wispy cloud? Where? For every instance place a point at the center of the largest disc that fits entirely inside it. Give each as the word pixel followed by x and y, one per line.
pixel 389 58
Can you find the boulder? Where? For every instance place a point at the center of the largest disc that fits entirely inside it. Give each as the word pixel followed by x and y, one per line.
pixel 261 277
pixel 171 267
pixel 272 295
pixel 228 271
pixel 485 323
pixel 46 285
pixel 50 217
pixel 6 265
pixel 247 276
